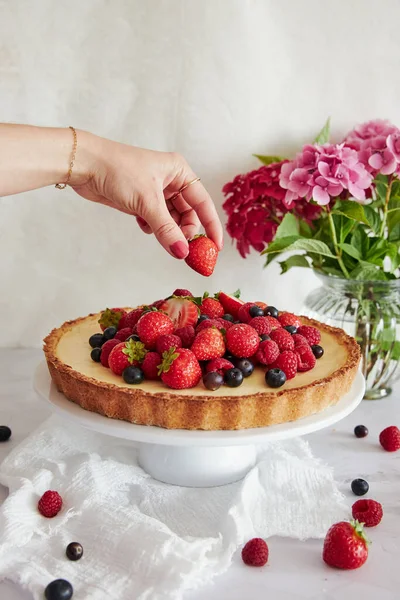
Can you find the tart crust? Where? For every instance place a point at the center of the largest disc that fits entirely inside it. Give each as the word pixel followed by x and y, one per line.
pixel 173 410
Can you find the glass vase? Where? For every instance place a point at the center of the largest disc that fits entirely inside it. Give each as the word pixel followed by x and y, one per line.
pixel 370 312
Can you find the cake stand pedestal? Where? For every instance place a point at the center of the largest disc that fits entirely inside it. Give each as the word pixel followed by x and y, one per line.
pixel 195 458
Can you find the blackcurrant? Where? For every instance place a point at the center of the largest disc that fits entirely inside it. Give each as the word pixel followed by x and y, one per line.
pixel 291 328
pixel 5 433
pixel 360 431
pixel 256 311
pixel 96 340
pixel 275 378
pixel 233 377
pixel 318 351
pixel 228 317
pixel 59 589
pixel 245 365
pixel 271 311
pixel 109 333
pixel 359 487
pixel 213 380
pixel 133 375
pixel 95 354
pixel 74 551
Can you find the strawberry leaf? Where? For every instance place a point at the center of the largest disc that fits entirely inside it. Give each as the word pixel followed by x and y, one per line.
pixel 135 351
pixel 237 293
pixel 168 358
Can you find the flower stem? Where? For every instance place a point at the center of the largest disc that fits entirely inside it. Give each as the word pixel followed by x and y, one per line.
pixel 335 245
pixel 385 208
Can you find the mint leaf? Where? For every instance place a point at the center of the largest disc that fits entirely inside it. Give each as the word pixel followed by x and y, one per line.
pixel 352 210
pixel 237 294
pixel 323 136
pixel 268 160
pixel 351 250
pixel 298 260
pixel 289 226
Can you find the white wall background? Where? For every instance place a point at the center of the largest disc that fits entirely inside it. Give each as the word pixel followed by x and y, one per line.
pixel 213 79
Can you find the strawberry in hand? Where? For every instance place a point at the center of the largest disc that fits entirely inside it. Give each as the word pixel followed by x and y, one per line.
pixel 203 254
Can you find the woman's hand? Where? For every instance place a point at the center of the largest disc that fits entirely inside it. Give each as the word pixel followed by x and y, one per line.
pixel 143 183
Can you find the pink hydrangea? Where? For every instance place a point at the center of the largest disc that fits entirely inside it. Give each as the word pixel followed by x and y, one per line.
pixel 324 172
pixel 378 146
pixel 368 131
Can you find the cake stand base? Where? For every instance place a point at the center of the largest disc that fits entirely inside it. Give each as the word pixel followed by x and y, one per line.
pixel 195 458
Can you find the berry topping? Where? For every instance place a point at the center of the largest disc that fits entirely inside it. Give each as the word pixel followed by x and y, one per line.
pixel 360 431
pixel 283 339
pixel 109 333
pixel 231 304
pixel 212 308
pixel 287 362
pixel 133 375
pixel 261 325
pixel 133 337
pixel 274 323
pixel 291 329
pixel 187 335
pixel 125 354
pixel 59 589
pixel 202 318
pixel 245 365
pixel 111 317
pixel 264 337
pixel 5 433
pixel 203 254
pixel 318 351
pixel 359 487
pixel 345 546
pixel 299 340
pixel 389 439
pixel 150 365
pixel 50 504
pixel 218 322
pixel 123 334
pixel 242 340
pixel 244 312
pixel 153 324
pixel 182 292
pixel 96 354
pixel 180 369
pixel 255 553
pixel 311 334
pixel 219 365
pixel 228 317
pixel 368 512
pixel 106 350
pixel 165 342
pixel 74 551
pixel 233 377
pixel 287 319
pixel 256 311
pixel 96 340
pixel 271 311
pixel 131 318
pixel 267 352
pixel 305 358
pixel 208 344
pixel 181 311
pixel 275 378
pixel 213 380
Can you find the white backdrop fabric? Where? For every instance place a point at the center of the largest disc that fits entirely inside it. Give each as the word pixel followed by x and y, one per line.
pixel 216 80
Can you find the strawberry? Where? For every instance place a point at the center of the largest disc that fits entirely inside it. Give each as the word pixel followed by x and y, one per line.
pixel 183 292
pixel 244 312
pixel 311 334
pixel 157 304
pixel 219 323
pixel 273 322
pixel 262 305
pixel 368 512
pixel 282 338
pixel 299 340
pixel 50 504
pixel 389 439
pixel 203 254
pixel 123 334
pixel 267 352
pixel 111 317
pixel 305 358
pixel 150 365
pixel 242 340
pixel 255 553
pixel 261 325
pixel 180 369
pixel 106 349
pixel 151 325
pixel 231 304
pixel 165 342
pixel 287 318
pixel 208 344
pixel 181 311
pixel 345 546
pixel 286 362
pixel 131 318
pixel 219 365
pixel 186 334
pixel 125 354
pixel 212 308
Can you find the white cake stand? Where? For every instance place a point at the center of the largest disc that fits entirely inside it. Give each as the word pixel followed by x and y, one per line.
pixel 195 458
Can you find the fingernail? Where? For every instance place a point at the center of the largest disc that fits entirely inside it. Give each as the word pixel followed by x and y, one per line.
pixel 179 249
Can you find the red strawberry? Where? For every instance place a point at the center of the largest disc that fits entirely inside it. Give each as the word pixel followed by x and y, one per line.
pixel 255 553
pixel 389 439
pixel 131 318
pixel 151 325
pixel 182 311
pixel 231 304
pixel 186 334
pixel 244 312
pixel 368 512
pixel 203 254
pixel 212 308
pixel 311 334
pixel 262 305
pixel 217 322
pixel 157 304
pixel 125 354
pixel 305 358
pixel 242 340
pixel 287 362
pixel 219 365
pixel 267 352
pixel 287 318
pixel 165 342
pixel 180 369
pixel 299 340
pixel 111 317
pixel 345 546
pixel 273 322
pixel 208 344
pixel 282 338
pixel 183 292
pixel 150 365
pixel 50 504
pixel 106 349
pixel 261 325
pixel 123 334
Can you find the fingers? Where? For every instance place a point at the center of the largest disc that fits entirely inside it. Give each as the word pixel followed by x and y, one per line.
pixel 188 219
pixel 164 227
pixel 143 225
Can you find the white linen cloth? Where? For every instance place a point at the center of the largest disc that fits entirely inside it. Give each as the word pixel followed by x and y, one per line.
pixel 143 539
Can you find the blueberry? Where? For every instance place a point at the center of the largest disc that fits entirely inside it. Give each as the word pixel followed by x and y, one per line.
pixel 59 589
pixel 109 333
pixel 264 337
pixel 245 365
pixel 360 431
pixel 318 351
pixel 96 340
pixel 133 337
pixel 359 487
pixel 213 380
pixel 233 377
pixel 133 375
pixel 256 311
pixel 230 357
pixel 74 551
pixel 228 317
pixel 291 328
pixel 271 311
pixel 5 433
pixel 275 378
pixel 202 318
pixel 95 354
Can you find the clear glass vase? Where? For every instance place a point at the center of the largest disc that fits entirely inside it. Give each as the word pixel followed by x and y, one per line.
pixel 370 312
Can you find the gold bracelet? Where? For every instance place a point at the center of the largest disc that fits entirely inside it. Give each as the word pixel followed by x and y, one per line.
pixel 62 186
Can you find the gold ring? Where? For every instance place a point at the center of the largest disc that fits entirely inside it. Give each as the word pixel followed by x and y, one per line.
pixel 183 188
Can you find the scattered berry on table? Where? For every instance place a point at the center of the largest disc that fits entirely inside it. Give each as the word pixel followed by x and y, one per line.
pixel 150 365
pixel 231 304
pixel 187 335
pixel 268 352
pixel 106 350
pixel 220 365
pixel 283 339
pixel 271 311
pixel 389 439
pixel 305 358
pixel 242 340
pixel 96 354
pixel 96 340
pixel 182 292
pixel 228 317
pixel 181 311
pixel 213 380
pixel 74 551
pixel 261 325
pixel 287 319
pixel 255 553
pixel 360 431
pixel 345 546
pixel 287 362
pixel 208 344
pixel 126 354
pixel 153 324
pixel 368 512
pixel 59 589
pixel 50 504
pixel 123 334
pixel 256 311
pixel 133 375
pixel 5 433
pixel 131 318
pixel 233 377
pixel 180 369
pixel 245 365
pixel 311 334
pixel 203 255
pixel 109 333
pixel 290 328
pixel 275 378
pixel 111 317
pixel 202 318
pixel 212 307
pixel 165 342
pixel 359 487
pixel 317 350
pixel 299 340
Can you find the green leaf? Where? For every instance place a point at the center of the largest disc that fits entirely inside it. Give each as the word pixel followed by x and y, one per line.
pixel 288 226
pixel 352 210
pixel 280 244
pixel 268 160
pixel 323 136
pixel 332 271
pixel 298 260
pixel 360 240
pixel 373 219
pixel 393 217
pixel 364 271
pixel 305 230
pixel 237 293
pixel 351 250
pixel 293 244
pixel 394 234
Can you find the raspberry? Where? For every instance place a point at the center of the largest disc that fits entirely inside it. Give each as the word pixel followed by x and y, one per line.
pixel 311 334
pixel 305 358
pixel 123 334
pixel 273 322
pixel 106 349
pixel 244 312
pixel 283 338
pixel 50 504
pixel 287 318
pixel 220 365
pixel 261 325
pixel 299 340
pixel 368 512
pixel 130 319
pixel 390 438
pixel 187 335
pixel 255 553
pixel 183 292
pixel 267 352
pixel 286 362
pixel 165 342
pixel 150 365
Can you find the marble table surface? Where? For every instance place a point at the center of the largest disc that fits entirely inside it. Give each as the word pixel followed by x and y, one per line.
pixel 295 570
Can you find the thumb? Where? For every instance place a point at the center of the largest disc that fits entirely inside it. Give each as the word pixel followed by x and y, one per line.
pixel 165 229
